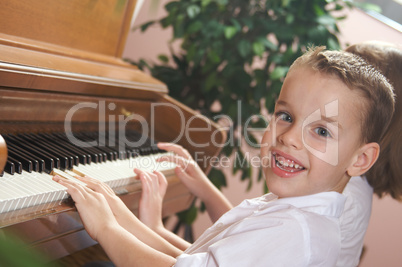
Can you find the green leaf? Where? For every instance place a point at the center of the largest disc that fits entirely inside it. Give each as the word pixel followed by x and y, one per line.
pixel 193 11
pixel 285 3
pixel 145 26
pixel 188 216
pixel 258 48
pixel 333 44
pixel 326 20
pixel 227 150
pixel 318 10
pixel 15 253
pixel 222 2
pixel 230 31
pixel 169 7
pixel 204 3
pixel 194 27
pixel 278 73
pixel 290 18
pixel 260 174
pixel 214 57
pixel 163 58
pixel 210 82
pixel 217 178
pixel 244 48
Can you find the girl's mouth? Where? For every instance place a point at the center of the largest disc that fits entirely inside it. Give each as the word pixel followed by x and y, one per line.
pixel 286 164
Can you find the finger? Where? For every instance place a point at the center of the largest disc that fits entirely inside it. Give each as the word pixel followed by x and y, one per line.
pixel 182 162
pixel 154 181
pixel 181 174
pixel 145 180
pixel 179 150
pixel 161 181
pixel 96 185
pixel 75 190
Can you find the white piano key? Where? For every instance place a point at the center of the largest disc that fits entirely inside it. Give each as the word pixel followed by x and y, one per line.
pixel 29 189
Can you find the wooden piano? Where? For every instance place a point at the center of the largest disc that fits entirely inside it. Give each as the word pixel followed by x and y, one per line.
pixel 61 75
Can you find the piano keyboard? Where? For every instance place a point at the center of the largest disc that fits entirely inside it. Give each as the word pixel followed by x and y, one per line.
pixel 34 159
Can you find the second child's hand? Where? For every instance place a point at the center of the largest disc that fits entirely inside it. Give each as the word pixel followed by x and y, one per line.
pixel 196 181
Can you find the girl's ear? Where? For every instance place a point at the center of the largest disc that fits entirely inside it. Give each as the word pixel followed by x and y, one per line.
pixel 366 157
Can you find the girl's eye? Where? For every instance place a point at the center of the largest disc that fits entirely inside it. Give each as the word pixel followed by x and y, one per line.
pixel 322 132
pixel 283 116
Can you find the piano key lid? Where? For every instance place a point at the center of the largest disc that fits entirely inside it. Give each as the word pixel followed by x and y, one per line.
pixel 3 153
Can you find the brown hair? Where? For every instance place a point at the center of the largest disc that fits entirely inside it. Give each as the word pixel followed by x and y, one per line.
pixel 386 174
pixel 358 75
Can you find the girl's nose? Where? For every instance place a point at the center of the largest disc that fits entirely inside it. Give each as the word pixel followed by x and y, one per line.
pixel 290 136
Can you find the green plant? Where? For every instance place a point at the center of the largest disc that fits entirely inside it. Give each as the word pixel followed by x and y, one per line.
pixel 235 54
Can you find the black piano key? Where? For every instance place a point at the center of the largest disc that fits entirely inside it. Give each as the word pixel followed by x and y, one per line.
pixel 17 164
pixel 51 161
pixel 74 159
pixel 36 164
pixel 64 161
pixel 104 150
pixel 112 154
pixel 101 155
pixel 9 167
pixel 92 154
pixel 134 152
pixel 83 156
pixel 120 148
pixel 86 138
pixel 96 155
pixel 25 162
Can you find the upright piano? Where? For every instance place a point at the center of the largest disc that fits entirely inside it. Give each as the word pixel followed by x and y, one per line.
pixel 70 105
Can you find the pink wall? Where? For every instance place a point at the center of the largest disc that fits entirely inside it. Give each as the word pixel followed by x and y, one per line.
pixel 383 240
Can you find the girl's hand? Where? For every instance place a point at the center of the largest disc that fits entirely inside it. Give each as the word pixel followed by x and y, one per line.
pixel 187 170
pixel 196 181
pixel 123 215
pixel 92 206
pixel 154 187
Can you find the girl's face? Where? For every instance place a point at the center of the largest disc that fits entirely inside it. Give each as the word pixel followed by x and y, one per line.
pixel 313 137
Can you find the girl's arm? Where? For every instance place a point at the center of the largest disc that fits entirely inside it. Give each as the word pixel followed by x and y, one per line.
pixel 136 245
pixel 154 187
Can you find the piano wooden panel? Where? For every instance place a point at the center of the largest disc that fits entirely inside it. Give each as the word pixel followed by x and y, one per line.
pixel 60 64
pixel 98 27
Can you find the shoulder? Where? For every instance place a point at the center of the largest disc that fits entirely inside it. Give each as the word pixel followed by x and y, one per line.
pixel 359 195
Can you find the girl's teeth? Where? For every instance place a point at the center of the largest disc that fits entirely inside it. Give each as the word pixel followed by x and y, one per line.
pixel 289 164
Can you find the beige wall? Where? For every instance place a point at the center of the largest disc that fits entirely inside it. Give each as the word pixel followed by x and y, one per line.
pixel 384 237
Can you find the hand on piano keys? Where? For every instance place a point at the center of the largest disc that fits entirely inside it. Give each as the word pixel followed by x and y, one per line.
pixel 33 159
pixel 150 208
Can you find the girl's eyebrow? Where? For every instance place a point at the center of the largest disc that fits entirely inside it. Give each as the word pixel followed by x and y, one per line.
pixel 281 102
pixel 331 120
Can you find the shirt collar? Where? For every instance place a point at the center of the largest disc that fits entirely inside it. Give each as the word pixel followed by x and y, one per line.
pixel 325 203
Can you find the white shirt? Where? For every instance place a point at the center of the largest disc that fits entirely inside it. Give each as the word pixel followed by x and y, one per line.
pixel 354 220
pixel 265 231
